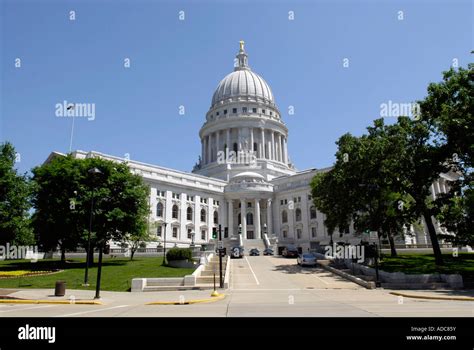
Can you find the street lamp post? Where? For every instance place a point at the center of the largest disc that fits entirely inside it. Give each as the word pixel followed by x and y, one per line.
pixel 92 172
pixel 164 244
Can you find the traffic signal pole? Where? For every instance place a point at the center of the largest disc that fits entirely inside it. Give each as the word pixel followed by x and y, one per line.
pixel 221 282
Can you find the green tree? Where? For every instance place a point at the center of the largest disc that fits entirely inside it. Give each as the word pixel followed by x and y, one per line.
pixel 449 105
pixel 14 200
pixel 59 209
pixel 64 192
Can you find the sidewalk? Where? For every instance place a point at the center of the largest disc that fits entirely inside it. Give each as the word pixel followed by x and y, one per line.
pixel 74 296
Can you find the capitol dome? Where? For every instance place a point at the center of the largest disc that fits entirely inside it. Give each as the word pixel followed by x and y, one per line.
pixel 243 84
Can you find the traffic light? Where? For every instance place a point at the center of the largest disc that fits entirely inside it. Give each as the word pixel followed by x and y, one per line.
pixel 214 232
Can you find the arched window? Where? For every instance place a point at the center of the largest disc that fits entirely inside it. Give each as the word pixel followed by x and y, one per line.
pixel 159 210
pixel 298 214
pixel 236 147
pixel 284 216
pixel 203 215
pixel 312 212
pixel 174 212
pixel 189 214
pixel 216 217
pixel 249 219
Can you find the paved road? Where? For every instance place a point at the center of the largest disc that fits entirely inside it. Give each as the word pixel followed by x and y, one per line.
pixel 260 286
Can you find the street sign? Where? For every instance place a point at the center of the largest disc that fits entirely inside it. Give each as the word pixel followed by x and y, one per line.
pixel 220 245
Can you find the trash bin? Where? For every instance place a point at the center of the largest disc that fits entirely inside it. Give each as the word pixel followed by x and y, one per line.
pixel 60 289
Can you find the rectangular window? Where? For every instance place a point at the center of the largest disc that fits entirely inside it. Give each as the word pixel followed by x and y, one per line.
pixel 281 202
pixel 271 113
pixel 225 111
pixel 244 109
pixel 204 200
pixel 313 232
pixel 263 111
pixel 298 233
pixel 249 204
pixel 217 113
pixel 175 232
pixel 254 110
pixel 190 233
pixel 286 201
pixel 159 230
pixel 203 235
pixel 234 110
pixel 284 234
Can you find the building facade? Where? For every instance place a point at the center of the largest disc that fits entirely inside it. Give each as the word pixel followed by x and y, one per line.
pixel 244 179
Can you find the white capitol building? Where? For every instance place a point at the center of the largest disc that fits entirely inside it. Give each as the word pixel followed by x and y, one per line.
pixel 244 179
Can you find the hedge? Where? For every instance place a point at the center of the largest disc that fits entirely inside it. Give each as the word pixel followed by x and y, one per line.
pixel 179 254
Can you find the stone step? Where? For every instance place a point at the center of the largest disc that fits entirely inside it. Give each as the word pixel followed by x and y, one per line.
pixel 207 279
pixel 211 272
pixel 169 288
pixel 433 285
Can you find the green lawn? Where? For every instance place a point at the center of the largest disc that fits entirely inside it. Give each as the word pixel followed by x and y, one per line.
pixel 117 273
pixel 424 263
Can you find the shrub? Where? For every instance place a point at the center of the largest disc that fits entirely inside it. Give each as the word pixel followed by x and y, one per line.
pixel 179 254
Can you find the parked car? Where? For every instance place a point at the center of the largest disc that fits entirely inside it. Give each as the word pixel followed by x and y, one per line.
pixel 268 251
pixel 290 252
pixel 306 259
pixel 254 252
pixel 237 252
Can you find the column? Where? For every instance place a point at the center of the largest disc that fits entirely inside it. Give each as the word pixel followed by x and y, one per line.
pixel 258 233
pixel 210 216
pixel 183 231
pixel 239 141
pixel 269 218
pixel 262 144
pixel 280 152
pixel 209 156
pixel 229 146
pixel 285 143
pixel 197 218
pixel 243 218
pixel 269 146
pixel 217 144
pixel 273 146
pixel 230 217
pixel 251 140
pixel 167 218
pixel 203 150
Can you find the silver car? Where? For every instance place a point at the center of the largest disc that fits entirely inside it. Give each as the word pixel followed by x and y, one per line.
pixel 306 259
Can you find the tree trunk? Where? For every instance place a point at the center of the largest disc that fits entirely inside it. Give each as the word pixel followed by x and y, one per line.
pixel 63 255
pixel 434 238
pixel 91 256
pixel 393 250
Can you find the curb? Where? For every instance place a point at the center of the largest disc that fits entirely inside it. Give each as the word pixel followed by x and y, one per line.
pixel 64 302
pixel 431 297
pixel 188 302
pixel 353 279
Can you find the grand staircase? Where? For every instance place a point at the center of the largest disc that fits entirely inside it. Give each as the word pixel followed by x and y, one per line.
pixel 253 243
pixel 207 275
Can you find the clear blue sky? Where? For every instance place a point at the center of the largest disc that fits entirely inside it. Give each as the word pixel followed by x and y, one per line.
pixel 181 62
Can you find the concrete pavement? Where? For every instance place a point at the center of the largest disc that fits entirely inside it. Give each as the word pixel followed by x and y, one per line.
pixel 260 286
